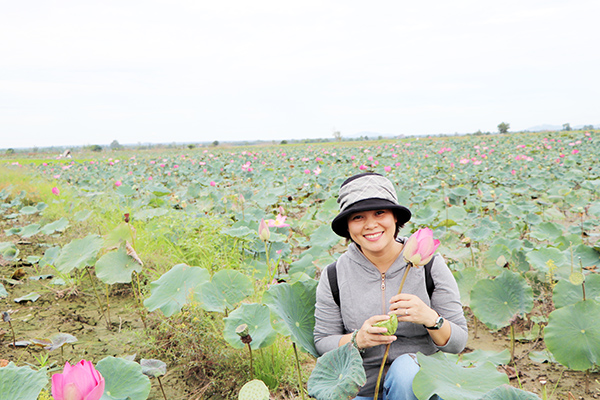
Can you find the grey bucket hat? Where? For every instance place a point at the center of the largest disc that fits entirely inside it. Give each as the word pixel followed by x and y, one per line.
pixel 365 192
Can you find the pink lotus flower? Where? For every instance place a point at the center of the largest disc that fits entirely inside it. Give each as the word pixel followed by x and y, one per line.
pixel 420 247
pixel 387 168
pixel 78 382
pixel 278 222
pixel 55 191
pixel 118 183
pixel 263 231
pixel 213 183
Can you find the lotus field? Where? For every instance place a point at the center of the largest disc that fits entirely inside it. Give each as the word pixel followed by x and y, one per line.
pixel 191 273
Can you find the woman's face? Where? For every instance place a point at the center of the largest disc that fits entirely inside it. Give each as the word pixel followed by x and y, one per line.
pixel 373 230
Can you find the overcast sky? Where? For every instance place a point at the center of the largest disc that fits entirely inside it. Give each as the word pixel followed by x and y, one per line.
pixel 89 72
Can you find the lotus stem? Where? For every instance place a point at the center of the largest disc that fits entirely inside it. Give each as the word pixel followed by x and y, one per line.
pixel 161 387
pixel 98 298
pixel 13 334
pixel 138 296
pixel 387 348
pixel 300 385
pixel 512 342
pixel 107 304
pixel 251 363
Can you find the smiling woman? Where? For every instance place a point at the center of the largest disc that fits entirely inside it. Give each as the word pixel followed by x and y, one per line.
pixel 369 276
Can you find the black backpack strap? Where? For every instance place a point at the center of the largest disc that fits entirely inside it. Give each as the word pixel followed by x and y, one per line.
pixel 428 279
pixel 333 283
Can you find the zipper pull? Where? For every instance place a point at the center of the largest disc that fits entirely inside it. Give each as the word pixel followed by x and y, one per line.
pixel 383 281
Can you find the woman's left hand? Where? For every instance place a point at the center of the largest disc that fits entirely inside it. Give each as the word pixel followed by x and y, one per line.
pixel 410 308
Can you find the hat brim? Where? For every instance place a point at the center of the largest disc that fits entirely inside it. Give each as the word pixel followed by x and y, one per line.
pixel 340 223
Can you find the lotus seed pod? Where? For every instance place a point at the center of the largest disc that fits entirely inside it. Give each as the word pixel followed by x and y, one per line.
pixel 242 330
pixel 391 325
pixel 254 390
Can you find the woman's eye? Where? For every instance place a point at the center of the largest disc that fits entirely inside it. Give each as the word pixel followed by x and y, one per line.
pixel 380 212
pixel 356 217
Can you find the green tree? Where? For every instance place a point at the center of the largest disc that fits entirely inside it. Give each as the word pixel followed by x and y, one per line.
pixel 503 127
pixel 337 135
pixel 191 146
pixel 588 127
pixel 566 127
pixel 114 145
pixel 215 143
pixel 96 148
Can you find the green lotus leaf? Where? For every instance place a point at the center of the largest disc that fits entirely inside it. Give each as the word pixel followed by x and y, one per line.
pixel 323 236
pixel 82 215
pixel 477 357
pixel 30 230
pixel 338 374
pixel 294 308
pixel 496 301
pixel 117 266
pixel 258 319
pixel 153 368
pixel 60 339
pixel 566 294
pixel 225 290
pixel 33 259
pixel 573 335
pixel 542 356
pixel 12 379
pixel 33 296
pixel 175 288
pixel 507 392
pixel 28 210
pixel 254 390
pixel 13 231
pixel 588 256
pixel 149 213
pixel 391 325
pixel 123 232
pixel 123 379
pixel 456 213
pixel 543 258
pixel 546 231
pixel 125 190
pixel 3 292
pixel 56 226
pixel 479 234
pixel 41 206
pixel 440 376
pixel 425 216
pixel 9 251
pixel 49 257
pixel 78 254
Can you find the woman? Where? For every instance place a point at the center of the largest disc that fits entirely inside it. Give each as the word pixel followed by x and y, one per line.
pixel 369 275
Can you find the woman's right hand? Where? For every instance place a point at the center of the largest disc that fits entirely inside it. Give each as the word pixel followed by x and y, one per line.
pixel 371 336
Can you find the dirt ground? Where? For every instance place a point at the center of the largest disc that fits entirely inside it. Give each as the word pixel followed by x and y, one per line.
pixel 74 310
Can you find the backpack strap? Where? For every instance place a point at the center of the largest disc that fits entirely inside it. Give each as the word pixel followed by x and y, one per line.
pixel 335 289
pixel 333 283
pixel 428 279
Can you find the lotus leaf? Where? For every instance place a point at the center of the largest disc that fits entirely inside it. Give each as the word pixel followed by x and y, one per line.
pixel 56 226
pixel 495 302
pixel 49 257
pixel 438 375
pixel 3 292
pixel 226 289
pixel 175 288
pixel 28 210
pixel 565 293
pixel 79 253
pixel 123 379
pixel 9 251
pixel 117 266
pixel 153 368
pixel 12 379
pixel 507 392
pixel 258 319
pixel 573 335
pixel 294 308
pixel 33 296
pixel 338 374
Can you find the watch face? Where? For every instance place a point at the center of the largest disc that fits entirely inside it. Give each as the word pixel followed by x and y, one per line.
pixel 439 322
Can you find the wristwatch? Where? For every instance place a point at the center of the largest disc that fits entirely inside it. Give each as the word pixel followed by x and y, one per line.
pixel 438 324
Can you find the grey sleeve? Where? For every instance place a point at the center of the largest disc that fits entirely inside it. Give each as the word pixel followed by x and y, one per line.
pixel 446 301
pixel 329 327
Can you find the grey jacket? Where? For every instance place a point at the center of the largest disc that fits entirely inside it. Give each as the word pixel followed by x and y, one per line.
pixel 362 295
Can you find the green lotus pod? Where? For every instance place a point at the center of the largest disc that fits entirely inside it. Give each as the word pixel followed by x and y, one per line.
pixel 254 390
pixel 391 325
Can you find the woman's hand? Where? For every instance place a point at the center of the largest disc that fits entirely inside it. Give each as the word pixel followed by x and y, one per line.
pixel 410 308
pixel 371 336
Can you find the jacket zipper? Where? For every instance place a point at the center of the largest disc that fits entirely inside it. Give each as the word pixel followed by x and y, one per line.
pixel 383 293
